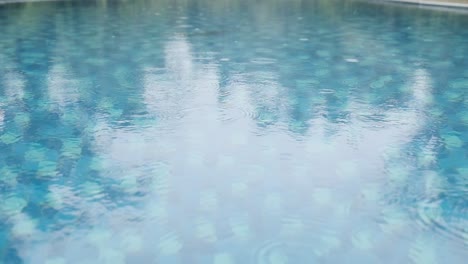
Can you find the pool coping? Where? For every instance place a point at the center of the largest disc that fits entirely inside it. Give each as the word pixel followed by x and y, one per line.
pixel 26 1
pixel 432 3
pixel 412 2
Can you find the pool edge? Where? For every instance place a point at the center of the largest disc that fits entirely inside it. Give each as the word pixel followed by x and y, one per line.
pixel 432 3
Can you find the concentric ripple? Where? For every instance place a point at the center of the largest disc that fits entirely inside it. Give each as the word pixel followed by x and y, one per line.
pixel 451 222
pixel 271 252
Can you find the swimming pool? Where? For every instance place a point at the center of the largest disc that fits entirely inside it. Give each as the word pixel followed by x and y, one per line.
pixel 233 131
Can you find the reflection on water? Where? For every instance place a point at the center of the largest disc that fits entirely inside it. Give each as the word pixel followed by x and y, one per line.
pixel 229 131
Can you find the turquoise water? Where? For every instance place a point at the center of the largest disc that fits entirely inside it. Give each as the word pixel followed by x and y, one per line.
pixel 233 131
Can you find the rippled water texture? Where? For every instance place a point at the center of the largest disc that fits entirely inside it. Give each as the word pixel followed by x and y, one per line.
pixel 233 131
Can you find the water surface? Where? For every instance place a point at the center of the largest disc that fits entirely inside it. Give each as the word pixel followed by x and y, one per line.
pixel 233 131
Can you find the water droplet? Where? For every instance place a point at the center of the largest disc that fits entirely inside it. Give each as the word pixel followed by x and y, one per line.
pixel 352 60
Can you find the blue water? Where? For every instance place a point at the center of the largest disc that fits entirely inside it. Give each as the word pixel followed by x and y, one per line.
pixel 233 131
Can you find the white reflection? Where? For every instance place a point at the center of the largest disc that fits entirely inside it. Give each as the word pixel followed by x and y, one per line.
pixel 178 57
pixel 2 117
pixel 422 91
pixel 166 90
pixel 61 88
pixel 23 226
pixel 411 119
pixel 14 86
pixel 183 90
pixel 362 149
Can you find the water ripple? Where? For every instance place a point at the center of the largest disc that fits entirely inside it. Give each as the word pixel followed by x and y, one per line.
pixel 271 252
pixel 449 222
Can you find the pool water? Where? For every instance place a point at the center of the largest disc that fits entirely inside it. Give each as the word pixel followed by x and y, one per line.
pixel 233 131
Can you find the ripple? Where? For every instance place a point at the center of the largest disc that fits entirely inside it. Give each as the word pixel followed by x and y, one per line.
pixel 240 227
pixel 432 215
pixel 47 168
pixel 8 176
pixel 252 114
pixel 292 225
pixel 263 61
pixel 161 180
pixel 169 244
pixel 10 138
pixel 206 231
pixel 226 113
pixel 91 190
pixel 363 239
pixel 55 199
pixel 393 220
pixel 328 243
pixel 422 251
pixel 23 119
pixel 237 113
pixel 72 148
pixel 124 77
pixel 271 252
pixel 175 112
